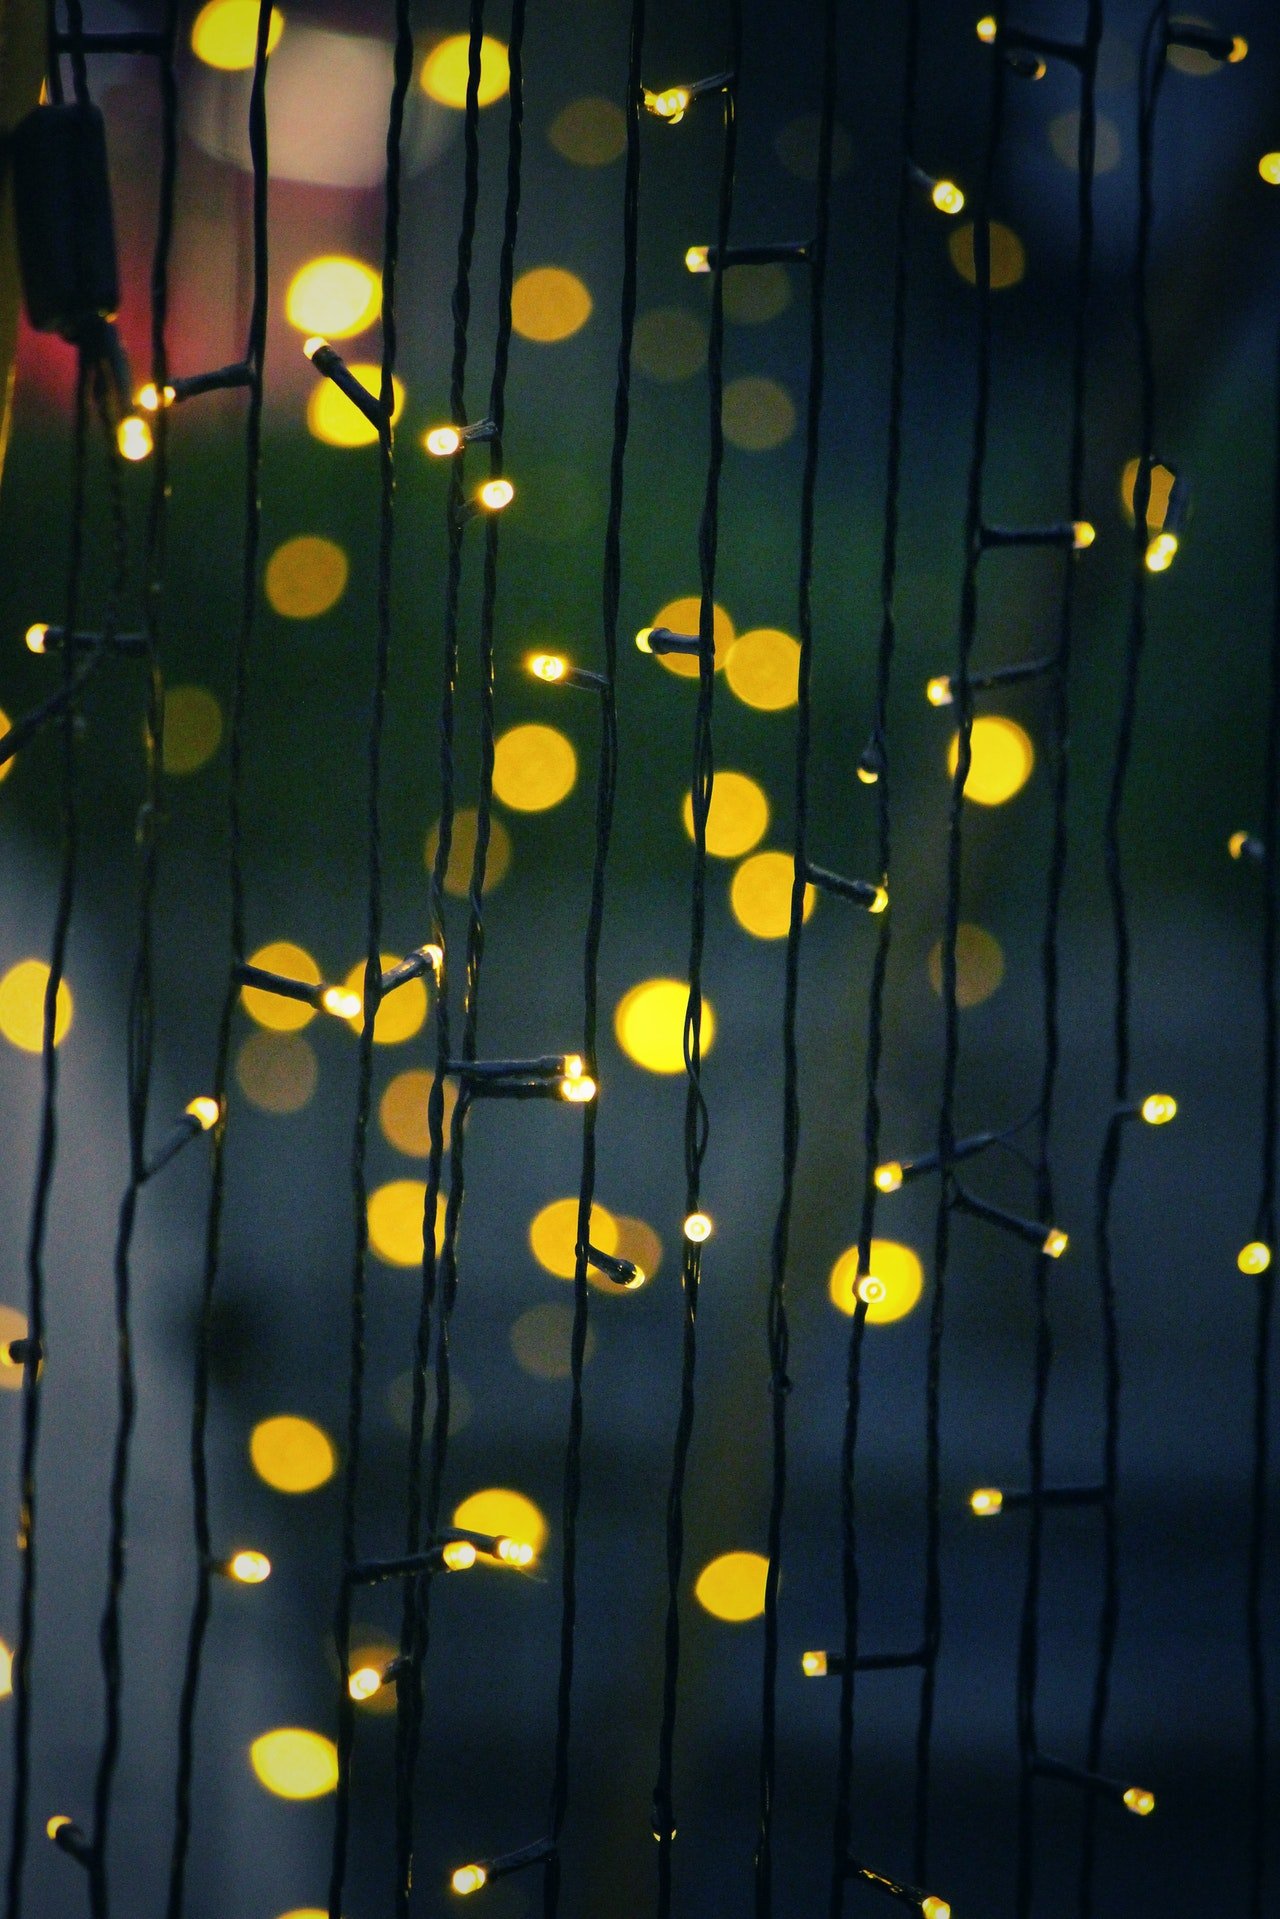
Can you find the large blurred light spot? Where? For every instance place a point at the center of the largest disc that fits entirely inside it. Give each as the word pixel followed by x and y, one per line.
pixel 6 1670
pixel 22 992
pixel 497 1509
pixel 683 616
pixel 1269 168
pixel 333 295
pixel 1064 138
pixel 760 895
pixel 979 965
pixel 669 344
pixel 445 71
pixel 306 576
pixel 400 1014
pixel 758 414
pixel 534 767
pixel 331 417
pixel 731 1587
pixel 1003 757
pixel 796 145
pixel 294 1763
pixel 591 132
pixel 192 728
pixel 1162 481
pixel 224 33
pixel 395 1215
pixel 277 1072
pixel 13 1325
pixel 540 1340
pixel 462 850
pixel 549 304
pixel 1008 256
pixel 649 1024
pixel 270 1009
pixel 637 1242
pixel 894 1285
pixel 736 818
pixel 292 1454
pixel 763 669
pixel 402 1111
pixel 753 295
pixel 553 1235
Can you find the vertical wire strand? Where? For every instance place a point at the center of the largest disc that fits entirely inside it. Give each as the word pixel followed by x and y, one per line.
pixel 1059 693
pixel 606 789
pixel 402 76
pixel 842 1820
pixel 696 1120
pixel 778 1330
pixel 1150 76
pixel 255 358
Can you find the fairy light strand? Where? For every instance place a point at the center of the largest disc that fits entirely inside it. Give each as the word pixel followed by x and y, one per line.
pixel 778 1329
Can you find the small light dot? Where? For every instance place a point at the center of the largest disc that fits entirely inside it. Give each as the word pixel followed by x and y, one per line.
pixel 13 1325
pixel 225 33
pixel 683 616
pixel 670 344
pixel 395 1214
pixel 277 1072
pixel 271 1009
pixel 334 419
pixel 1269 168
pixel 402 1111
pixel 796 145
pixel 1064 138
pixel 400 1014
pixel 540 1341
pixel 753 295
pixel 979 965
pixel 333 295
pixel 890 1290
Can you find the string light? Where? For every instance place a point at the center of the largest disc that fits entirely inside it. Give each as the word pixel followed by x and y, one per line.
pixel 327 360
pixel 1135 1799
pixel 697 1228
pixel 339 1001
pixel 672 103
pixel 134 438
pixel 1255 1257
pixel 940 691
pixel 1159 1108
pixel 660 639
pixel 944 194
pixel 199 1115
pixel 69 1838
pixel 249 1568
pixel 1051 1241
pixel 1231 48
pixel 554 670
pixel 442 442
pixel 1269 168
pixel 926 1903
pixel 988 1501
pixel 42 639
pixel 874 895
pixel 623 1272
pixel 477 1875
pixel 710 259
pixel 148 397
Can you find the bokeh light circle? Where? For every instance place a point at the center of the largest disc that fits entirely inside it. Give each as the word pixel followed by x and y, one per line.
pixel 899 1272
pixel 294 1763
pixel 760 895
pixel 333 295
pixel 534 768
pixel 292 1454
pixel 737 817
pixel 306 576
pixel 763 669
pixel 731 1586
pixel 553 1235
pixel 549 304
pixel 22 995
pixel 649 1024
pixel 1003 757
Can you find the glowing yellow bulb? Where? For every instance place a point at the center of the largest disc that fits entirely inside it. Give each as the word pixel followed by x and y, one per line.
pixel 574 1065
pixel 671 104
pixel 148 397
pixel 986 29
pixel 879 900
pixel 642 639
pixel 1161 551
pixel 1083 534
pixel 364 1682
pixel 1235 845
pixel 868 775
pixel 54 1826
pixel 469 1879
pixel 1239 49
pixel 698 259
pixel 1139 1800
pixel 548 666
pixel 341 1002
pixel 580 1090
pixel 495 494
pixel 1269 168
pixel 934 1908
pixel 514 1552
pixel 889 1176
pixel 458 1555
pixel 1055 1243
pixel 947 197
pixel 133 437
pixel 313 344
pixel 938 691
pixel 37 637
pixel 889 1290
pixel 1159 1108
pixel 6 1671
pixel 442 441
pixel 986 1501
pixel 1255 1257
pixel 697 1228
pixel 813 1665
pixel 872 1291
pixel 250 1568
pixel 205 1110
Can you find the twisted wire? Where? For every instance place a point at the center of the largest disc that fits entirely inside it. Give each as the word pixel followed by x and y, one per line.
pixel 696 1123
pixel 606 789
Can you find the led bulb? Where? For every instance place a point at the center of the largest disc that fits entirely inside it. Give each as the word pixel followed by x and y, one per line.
pixel 38 634
pixel 986 1501
pixel 1159 1108
pixel 698 260
pixel 871 1291
pixel 364 1682
pixel 1235 845
pixel 888 1177
pixel 1161 551
pixel 934 1908
pixel 986 29
pixel 642 639
pixel 1055 1242
pixel 813 1665
pixel 458 1555
pixel 578 1090
pixel 469 1879
pixel 548 666
pixel 1255 1257
pixel 1269 168
pixel 205 1110
pixel 442 441
pixel 514 1552
pixel 947 197
pixel 697 1227
pixel 574 1066
pixel 671 105
pixel 879 900
pixel 495 494
pixel 312 346
pixel 148 397
pixel 938 691
pixel 250 1568
pixel 54 1826
pixel 133 437
pixel 341 1002
pixel 1139 1800
pixel 1083 534
pixel 1239 49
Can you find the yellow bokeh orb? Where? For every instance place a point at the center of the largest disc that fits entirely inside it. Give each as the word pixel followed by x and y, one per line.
pixel 224 33
pixel 590 132
pixel 763 669
pixel 979 965
pixel 395 1214
pixel 192 728
pixel 649 1025
pixel 277 1072
pixel 270 1009
pixel 6 1670
pixel 402 1111
pixel 553 1235
pixel 1008 255
pixel 891 1289
pixel 549 304
pixel 22 992
pixel 737 817
pixel 497 1509
pixel 1269 168
pixel 462 847
pixel 753 295
pixel 758 414
pixel 400 1014
pixel 446 67
pixel 13 1325
pixel 731 1587
pixel 294 1763
pixel 1003 757
pixel 669 344
pixel 305 577
pixel 760 896
pixel 534 768
pixel 683 616
pixel 334 296
pixel 292 1454
pixel 333 418
pixel 540 1340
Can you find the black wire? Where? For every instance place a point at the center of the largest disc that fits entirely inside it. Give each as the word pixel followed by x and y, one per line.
pixel 696 1123
pixel 1029 1636
pixel 1150 77
pixel 778 1328
pixel 403 75
pixel 606 789
pixel 255 355
pixel 875 1009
